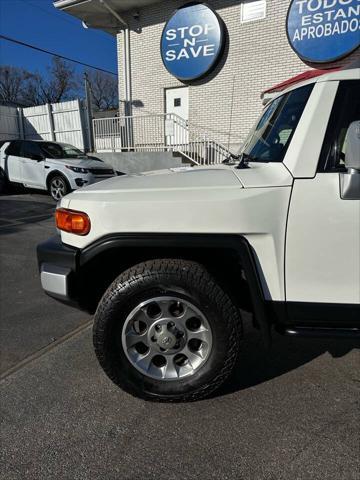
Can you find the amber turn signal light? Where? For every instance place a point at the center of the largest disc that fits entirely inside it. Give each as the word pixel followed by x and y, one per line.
pixel 72 221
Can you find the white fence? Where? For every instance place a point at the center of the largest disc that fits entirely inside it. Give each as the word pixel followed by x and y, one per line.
pixel 161 132
pixel 9 123
pixel 61 122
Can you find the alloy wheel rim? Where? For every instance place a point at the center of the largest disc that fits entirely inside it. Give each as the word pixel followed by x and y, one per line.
pixel 58 188
pixel 167 338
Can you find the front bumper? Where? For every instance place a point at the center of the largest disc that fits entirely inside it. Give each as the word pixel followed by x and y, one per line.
pixel 58 264
pixel 83 180
pixel 55 281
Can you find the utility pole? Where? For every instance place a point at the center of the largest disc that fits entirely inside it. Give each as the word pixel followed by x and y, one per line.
pixel 88 103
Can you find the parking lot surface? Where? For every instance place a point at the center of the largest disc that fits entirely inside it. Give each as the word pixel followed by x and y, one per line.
pixel 30 320
pixel 292 413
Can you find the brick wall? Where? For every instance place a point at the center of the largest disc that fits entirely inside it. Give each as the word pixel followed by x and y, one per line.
pixel 227 103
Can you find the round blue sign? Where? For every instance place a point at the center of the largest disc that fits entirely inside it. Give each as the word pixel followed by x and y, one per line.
pixel 192 42
pixel 323 31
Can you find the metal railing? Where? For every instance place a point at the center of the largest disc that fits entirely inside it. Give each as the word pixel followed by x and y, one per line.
pixel 162 132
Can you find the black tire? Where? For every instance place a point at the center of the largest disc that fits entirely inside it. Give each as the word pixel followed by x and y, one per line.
pixel 191 282
pixel 58 187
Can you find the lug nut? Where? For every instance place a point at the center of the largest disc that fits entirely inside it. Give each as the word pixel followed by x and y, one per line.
pixel 158 328
pixel 171 324
pixel 180 334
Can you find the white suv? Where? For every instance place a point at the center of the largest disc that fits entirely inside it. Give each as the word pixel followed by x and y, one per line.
pixel 171 259
pixel 56 167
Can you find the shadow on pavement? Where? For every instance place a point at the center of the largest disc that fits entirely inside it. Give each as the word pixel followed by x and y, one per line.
pixel 12 190
pixel 16 213
pixel 256 365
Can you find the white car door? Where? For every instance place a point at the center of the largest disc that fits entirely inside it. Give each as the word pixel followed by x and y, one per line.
pixel 323 236
pixel 13 161
pixel 33 165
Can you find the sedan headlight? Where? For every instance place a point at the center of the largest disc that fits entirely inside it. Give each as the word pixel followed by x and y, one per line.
pixel 77 169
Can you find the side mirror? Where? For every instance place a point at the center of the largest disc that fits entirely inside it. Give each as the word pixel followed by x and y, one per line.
pixel 352 142
pixel 350 181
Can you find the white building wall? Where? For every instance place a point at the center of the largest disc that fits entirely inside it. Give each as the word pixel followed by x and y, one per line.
pixel 226 103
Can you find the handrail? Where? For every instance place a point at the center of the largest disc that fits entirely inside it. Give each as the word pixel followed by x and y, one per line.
pixel 158 132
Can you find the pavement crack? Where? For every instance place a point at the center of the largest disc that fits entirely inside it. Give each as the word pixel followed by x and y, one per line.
pixel 43 351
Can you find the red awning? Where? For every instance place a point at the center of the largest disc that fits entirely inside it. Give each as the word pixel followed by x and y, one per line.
pixel 297 79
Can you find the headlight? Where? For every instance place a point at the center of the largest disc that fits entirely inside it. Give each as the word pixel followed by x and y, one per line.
pixel 77 169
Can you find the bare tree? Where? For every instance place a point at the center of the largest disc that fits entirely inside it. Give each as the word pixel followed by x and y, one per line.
pixel 62 84
pixel 13 82
pixel 32 90
pixel 104 90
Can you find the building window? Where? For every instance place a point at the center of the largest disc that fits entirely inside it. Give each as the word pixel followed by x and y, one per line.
pixel 177 102
pixel 253 10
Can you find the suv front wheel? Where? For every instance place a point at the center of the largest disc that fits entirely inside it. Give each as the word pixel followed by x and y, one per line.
pixel 58 187
pixel 166 331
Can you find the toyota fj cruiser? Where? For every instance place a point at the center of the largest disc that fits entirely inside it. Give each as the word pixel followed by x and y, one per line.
pixel 170 259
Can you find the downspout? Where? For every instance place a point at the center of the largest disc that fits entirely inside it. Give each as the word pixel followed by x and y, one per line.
pixel 127 72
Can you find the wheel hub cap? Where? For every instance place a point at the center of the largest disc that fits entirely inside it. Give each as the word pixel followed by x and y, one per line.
pixel 167 338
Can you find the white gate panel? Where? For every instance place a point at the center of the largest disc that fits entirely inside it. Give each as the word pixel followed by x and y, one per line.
pixel 9 123
pixel 36 123
pixel 67 121
pixel 61 122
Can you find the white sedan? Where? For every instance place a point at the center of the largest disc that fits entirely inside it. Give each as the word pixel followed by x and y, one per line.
pixel 56 167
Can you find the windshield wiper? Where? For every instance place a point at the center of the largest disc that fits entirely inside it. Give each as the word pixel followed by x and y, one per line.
pixel 232 159
pixel 244 160
pixel 241 160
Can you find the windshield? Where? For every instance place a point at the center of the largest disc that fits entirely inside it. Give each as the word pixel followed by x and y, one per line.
pixel 61 150
pixel 269 140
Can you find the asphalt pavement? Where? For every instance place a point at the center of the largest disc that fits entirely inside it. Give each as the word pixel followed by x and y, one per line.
pixel 292 413
pixel 30 320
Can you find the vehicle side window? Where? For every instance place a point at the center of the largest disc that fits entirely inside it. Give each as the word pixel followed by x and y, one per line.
pixel 53 150
pixel 31 149
pixel 14 148
pixel 346 109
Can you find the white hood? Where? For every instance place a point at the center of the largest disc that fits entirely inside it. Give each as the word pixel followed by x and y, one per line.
pixel 195 178
pixel 186 178
pixel 264 175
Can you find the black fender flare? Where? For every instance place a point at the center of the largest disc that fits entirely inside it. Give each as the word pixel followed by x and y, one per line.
pixel 238 243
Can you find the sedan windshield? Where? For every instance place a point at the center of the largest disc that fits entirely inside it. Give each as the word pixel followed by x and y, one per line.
pixel 61 150
pixel 269 140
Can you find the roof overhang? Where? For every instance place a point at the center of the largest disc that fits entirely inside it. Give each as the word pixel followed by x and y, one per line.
pixel 107 15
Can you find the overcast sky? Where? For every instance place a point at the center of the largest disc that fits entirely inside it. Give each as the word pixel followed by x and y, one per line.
pixel 37 22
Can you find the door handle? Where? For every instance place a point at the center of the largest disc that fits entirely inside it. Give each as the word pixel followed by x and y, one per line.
pixel 46 166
